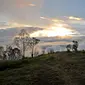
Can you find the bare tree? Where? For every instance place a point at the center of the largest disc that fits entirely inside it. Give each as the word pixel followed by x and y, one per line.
pixel 21 41
pixel 32 42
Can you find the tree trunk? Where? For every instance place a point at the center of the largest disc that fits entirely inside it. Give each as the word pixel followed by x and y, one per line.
pixel 32 52
pixel 23 50
pixel 32 55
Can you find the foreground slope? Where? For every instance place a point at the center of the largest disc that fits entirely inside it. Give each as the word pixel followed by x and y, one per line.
pixel 52 69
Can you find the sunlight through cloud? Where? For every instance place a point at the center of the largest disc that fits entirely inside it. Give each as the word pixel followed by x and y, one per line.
pixel 54 31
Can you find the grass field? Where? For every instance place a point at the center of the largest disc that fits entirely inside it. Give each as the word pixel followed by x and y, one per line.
pixel 50 69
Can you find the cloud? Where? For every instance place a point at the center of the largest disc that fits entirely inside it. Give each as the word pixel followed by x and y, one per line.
pixel 58 27
pixel 24 3
pixel 56 30
pixel 52 19
pixel 65 20
pixel 32 5
pixel 74 18
pixel 7 35
pixel 5 25
pixel 82 22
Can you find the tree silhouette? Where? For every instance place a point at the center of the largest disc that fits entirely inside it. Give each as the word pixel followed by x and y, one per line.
pixel 9 52
pixel 1 51
pixel 22 40
pixel 75 46
pixel 68 47
pixel 32 42
pixel 13 53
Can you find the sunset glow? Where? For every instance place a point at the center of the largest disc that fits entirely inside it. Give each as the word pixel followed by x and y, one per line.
pixel 58 30
pixel 74 18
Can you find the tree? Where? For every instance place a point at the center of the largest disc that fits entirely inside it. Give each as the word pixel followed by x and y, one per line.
pixel 22 40
pixel 17 53
pixel 12 53
pixel 32 42
pixel 1 51
pixel 68 48
pixel 75 46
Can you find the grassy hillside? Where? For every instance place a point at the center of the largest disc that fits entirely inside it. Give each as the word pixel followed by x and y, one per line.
pixel 52 69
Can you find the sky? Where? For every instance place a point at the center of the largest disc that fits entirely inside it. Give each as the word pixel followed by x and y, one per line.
pixel 29 11
pixel 55 8
pixel 47 19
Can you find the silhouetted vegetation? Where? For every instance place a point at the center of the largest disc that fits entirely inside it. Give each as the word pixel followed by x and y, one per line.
pixel 68 48
pixel 32 44
pixel 22 40
pixel 25 42
pixel 73 47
